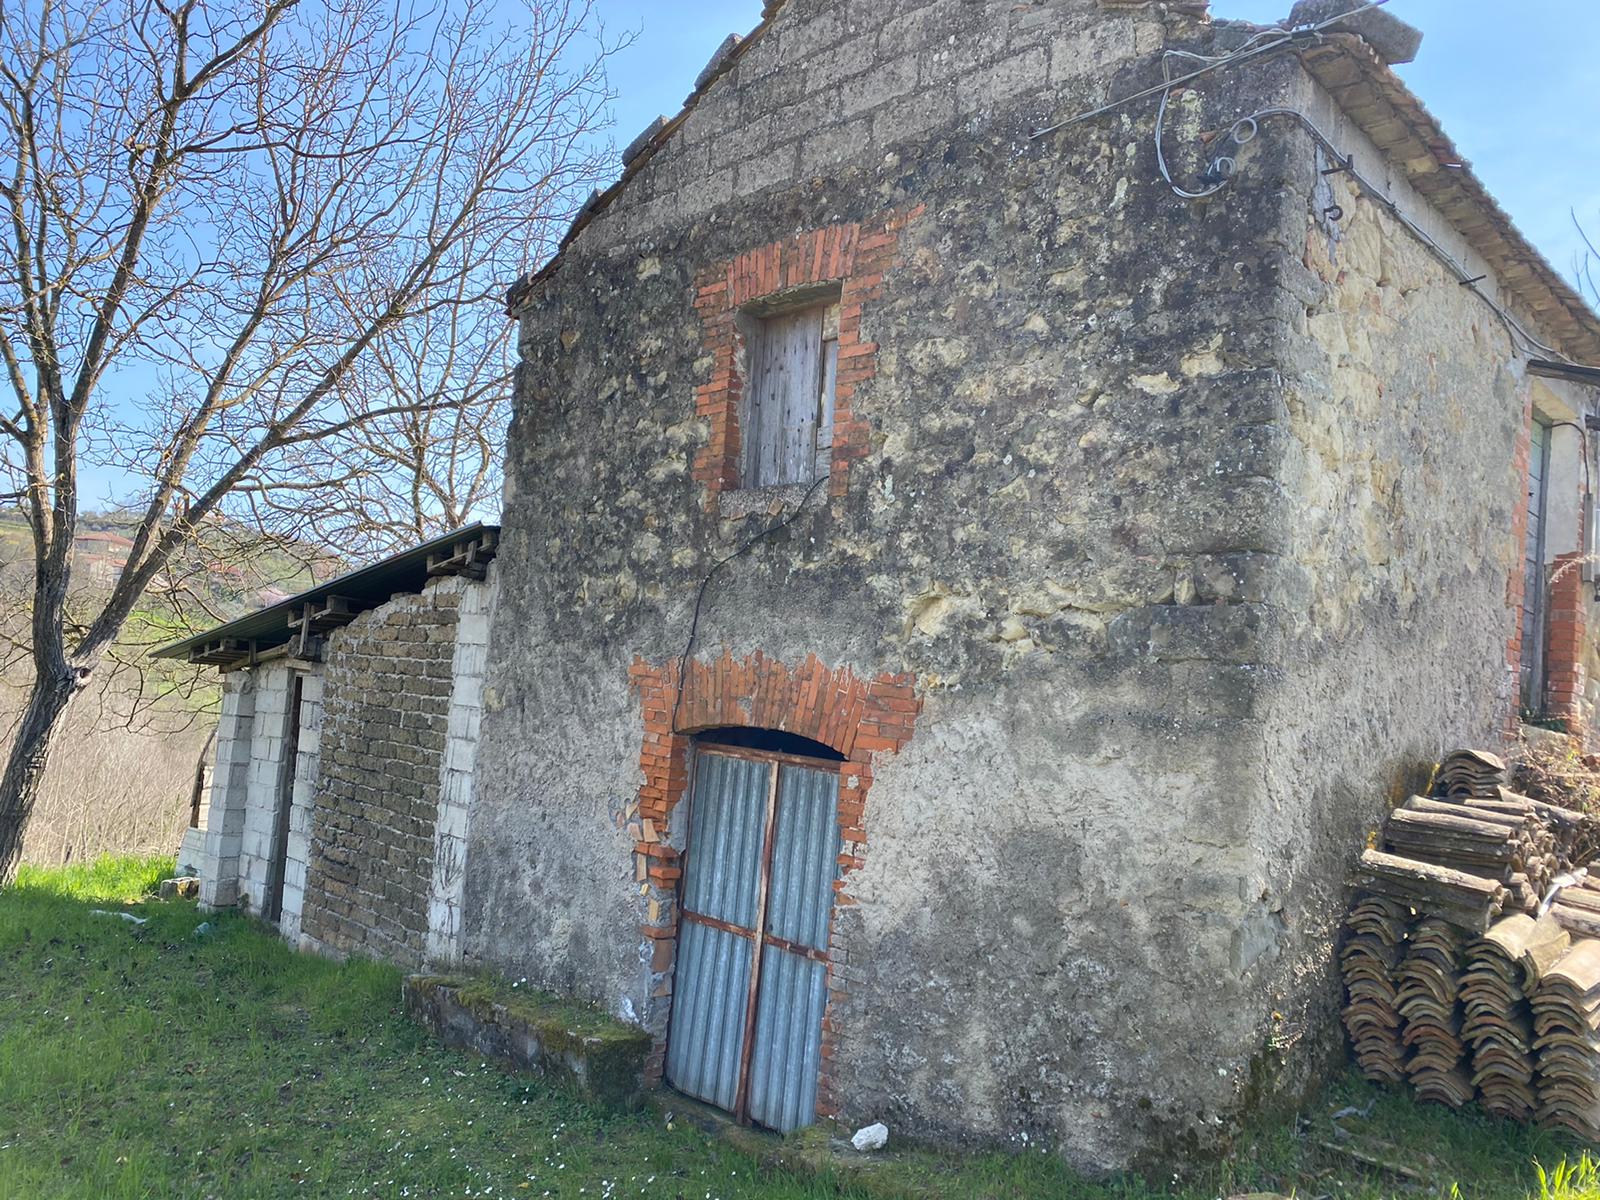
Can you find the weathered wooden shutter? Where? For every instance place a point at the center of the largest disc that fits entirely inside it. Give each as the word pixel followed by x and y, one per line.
pixel 789 421
pixel 782 404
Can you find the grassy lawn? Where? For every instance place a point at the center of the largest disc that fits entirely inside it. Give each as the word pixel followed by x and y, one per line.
pixel 147 1061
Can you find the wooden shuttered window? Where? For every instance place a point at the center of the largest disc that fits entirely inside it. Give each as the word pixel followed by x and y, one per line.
pixel 793 359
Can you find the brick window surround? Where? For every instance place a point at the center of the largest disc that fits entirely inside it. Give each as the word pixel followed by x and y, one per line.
pixel 853 256
pixel 859 718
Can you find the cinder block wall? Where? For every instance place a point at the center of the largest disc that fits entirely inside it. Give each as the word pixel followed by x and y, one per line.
pixel 225 808
pixel 308 746
pixel 268 744
pixel 468 666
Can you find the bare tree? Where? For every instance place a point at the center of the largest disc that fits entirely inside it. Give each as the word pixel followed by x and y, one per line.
pixel 419 470
pixel 1587 264
pixel 225 226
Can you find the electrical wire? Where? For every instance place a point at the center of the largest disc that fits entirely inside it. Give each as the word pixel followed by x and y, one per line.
pixel 1213 63
pixel 700 596
pixel 1375 193
pixel 1219 173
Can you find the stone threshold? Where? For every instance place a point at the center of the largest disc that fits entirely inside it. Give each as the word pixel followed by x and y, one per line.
pixel 599 1059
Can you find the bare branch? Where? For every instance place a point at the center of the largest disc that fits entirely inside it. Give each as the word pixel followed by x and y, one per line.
pixel 250 255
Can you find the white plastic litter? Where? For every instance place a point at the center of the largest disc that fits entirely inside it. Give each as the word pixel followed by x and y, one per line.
pixel 873 1137
pixel 101 912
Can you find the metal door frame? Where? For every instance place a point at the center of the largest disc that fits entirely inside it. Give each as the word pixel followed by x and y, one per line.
pixel 758 937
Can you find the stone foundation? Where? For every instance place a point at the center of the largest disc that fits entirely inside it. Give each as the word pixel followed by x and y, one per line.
pixel 601 1061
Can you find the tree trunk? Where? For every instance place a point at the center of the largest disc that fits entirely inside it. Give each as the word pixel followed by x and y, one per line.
pixel 19 788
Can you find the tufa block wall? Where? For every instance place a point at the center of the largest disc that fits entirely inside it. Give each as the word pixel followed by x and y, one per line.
pixel 385 729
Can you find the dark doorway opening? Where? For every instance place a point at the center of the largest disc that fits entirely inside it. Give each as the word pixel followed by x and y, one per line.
pixel 772 741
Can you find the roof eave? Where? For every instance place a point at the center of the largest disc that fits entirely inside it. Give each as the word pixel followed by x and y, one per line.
pixel 252 627
pixel 1380 103
pixel 639 155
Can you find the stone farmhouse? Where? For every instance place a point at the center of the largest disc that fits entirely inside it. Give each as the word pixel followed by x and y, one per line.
pixel 1000 493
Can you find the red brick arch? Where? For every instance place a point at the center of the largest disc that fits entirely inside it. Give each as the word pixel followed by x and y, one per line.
pixel 859 718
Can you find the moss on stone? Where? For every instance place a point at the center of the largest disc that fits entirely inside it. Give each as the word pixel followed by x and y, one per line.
pixel 601 1056
pixel 567 1022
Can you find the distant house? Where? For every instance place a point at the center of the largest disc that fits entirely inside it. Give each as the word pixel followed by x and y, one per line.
pixel 961 599
pixel 99 557
pixel 101 542
pixel 100 570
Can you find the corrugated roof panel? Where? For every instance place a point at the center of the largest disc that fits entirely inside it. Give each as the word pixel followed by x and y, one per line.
pixel 708 1014
pixel 805 856
pixel 370 586
pixel 787 1052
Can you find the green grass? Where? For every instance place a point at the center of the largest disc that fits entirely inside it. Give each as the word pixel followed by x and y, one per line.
pixel 147 1061
pixel 113 879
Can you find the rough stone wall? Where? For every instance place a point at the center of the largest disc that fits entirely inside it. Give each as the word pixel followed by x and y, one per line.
pixel 385 727
pixel 1060 530
pixel 1400 568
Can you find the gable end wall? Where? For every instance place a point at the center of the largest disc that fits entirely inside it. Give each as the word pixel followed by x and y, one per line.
pixel 1061 531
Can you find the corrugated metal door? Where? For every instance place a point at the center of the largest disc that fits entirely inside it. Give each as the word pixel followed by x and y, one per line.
pixel 751 978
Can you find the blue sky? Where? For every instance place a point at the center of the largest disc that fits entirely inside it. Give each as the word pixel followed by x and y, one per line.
pixel 1516 83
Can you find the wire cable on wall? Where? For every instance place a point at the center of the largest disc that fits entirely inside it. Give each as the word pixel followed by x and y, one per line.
pixel 1219 172
pixel 1583 441
pixel 694 625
